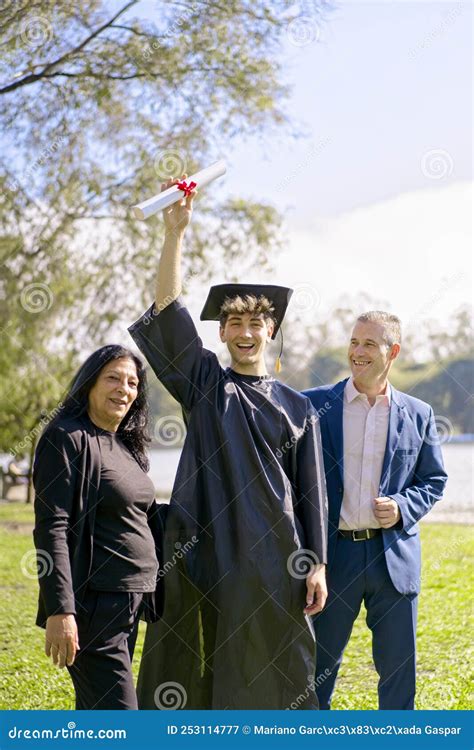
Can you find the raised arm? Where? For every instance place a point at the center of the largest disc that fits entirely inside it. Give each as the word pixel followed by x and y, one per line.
pixel 166 334
pixel 176 218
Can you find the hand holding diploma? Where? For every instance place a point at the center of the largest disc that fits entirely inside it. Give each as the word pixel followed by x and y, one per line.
pixel 176 189
pixel 178 215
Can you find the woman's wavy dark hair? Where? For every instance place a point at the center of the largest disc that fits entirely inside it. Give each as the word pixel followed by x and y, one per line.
pixel 133 429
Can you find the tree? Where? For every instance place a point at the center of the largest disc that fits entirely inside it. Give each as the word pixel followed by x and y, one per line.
pixel 100 104
pixel 454 338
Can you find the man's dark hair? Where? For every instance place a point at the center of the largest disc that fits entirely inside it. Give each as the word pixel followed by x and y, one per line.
pixel 248 303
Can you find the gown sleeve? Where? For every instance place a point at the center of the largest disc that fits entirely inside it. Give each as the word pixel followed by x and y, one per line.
pixel 311 496
pixel 170 343
pixel 54 476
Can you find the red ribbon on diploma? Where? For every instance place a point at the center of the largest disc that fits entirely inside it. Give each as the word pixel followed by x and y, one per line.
pixel 187 189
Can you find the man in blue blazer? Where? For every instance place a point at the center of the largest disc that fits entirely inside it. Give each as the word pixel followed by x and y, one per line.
pixel 384 471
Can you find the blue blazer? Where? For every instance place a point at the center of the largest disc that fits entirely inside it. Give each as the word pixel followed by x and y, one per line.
pixel 412 474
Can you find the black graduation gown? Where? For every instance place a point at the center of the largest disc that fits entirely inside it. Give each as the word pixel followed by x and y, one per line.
pixel 249 493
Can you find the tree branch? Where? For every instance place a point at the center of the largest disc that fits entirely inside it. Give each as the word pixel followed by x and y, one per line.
pixel 33 77
pixel 128 28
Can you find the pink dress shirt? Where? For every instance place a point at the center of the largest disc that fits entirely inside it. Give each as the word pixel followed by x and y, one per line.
pixel 365 430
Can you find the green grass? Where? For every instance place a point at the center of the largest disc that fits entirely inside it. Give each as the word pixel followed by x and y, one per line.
pixel 444 643
pixel 20 512
pixel 29 681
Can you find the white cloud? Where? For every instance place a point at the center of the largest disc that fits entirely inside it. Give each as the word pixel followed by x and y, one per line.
pixel 413 251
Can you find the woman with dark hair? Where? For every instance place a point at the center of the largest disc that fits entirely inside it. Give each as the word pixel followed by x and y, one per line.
pixel 95 528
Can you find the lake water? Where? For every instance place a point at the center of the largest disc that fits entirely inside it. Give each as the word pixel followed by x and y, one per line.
pixel 456 506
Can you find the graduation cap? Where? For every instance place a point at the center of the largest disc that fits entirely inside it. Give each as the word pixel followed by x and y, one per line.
pixel 279 296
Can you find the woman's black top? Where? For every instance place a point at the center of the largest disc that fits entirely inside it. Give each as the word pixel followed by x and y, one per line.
pixel 123 553
pixel 67 478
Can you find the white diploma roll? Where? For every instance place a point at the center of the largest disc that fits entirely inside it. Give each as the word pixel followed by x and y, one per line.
pixel 173 194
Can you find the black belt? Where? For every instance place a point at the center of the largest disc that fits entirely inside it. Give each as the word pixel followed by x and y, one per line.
pixel 360 535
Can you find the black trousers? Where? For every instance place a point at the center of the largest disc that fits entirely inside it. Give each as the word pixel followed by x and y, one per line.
pixel 102 671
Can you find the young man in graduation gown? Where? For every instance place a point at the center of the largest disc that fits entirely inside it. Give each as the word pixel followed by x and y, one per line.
pixel 245 542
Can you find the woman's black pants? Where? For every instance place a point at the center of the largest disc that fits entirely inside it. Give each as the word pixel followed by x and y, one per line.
pixel 102 671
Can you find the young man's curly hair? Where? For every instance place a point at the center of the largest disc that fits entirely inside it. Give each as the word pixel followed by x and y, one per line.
pixel 248 303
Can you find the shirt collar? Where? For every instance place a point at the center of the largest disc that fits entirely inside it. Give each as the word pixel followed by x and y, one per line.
pixel 351 393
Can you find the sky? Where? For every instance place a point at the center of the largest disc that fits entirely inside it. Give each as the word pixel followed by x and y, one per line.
pixel 376 192
pixel 376 197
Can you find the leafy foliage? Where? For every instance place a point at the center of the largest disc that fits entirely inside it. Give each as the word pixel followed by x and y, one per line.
pixel 101 103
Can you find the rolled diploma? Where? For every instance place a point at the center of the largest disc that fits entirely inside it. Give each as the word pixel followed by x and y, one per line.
pixel 171 195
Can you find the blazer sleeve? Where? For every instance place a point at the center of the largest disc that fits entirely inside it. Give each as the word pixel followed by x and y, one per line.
pixel 429 479
pixel 54 476
pixel 310 487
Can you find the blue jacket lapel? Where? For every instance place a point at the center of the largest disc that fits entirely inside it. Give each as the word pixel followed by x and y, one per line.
pixel 395 426
pixel 335 416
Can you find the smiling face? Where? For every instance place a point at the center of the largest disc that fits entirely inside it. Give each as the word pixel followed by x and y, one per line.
pixel 246 336
pixel 370 356
pixel 113 393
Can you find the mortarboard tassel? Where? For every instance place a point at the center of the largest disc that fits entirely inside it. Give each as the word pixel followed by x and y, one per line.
pixel 278 359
